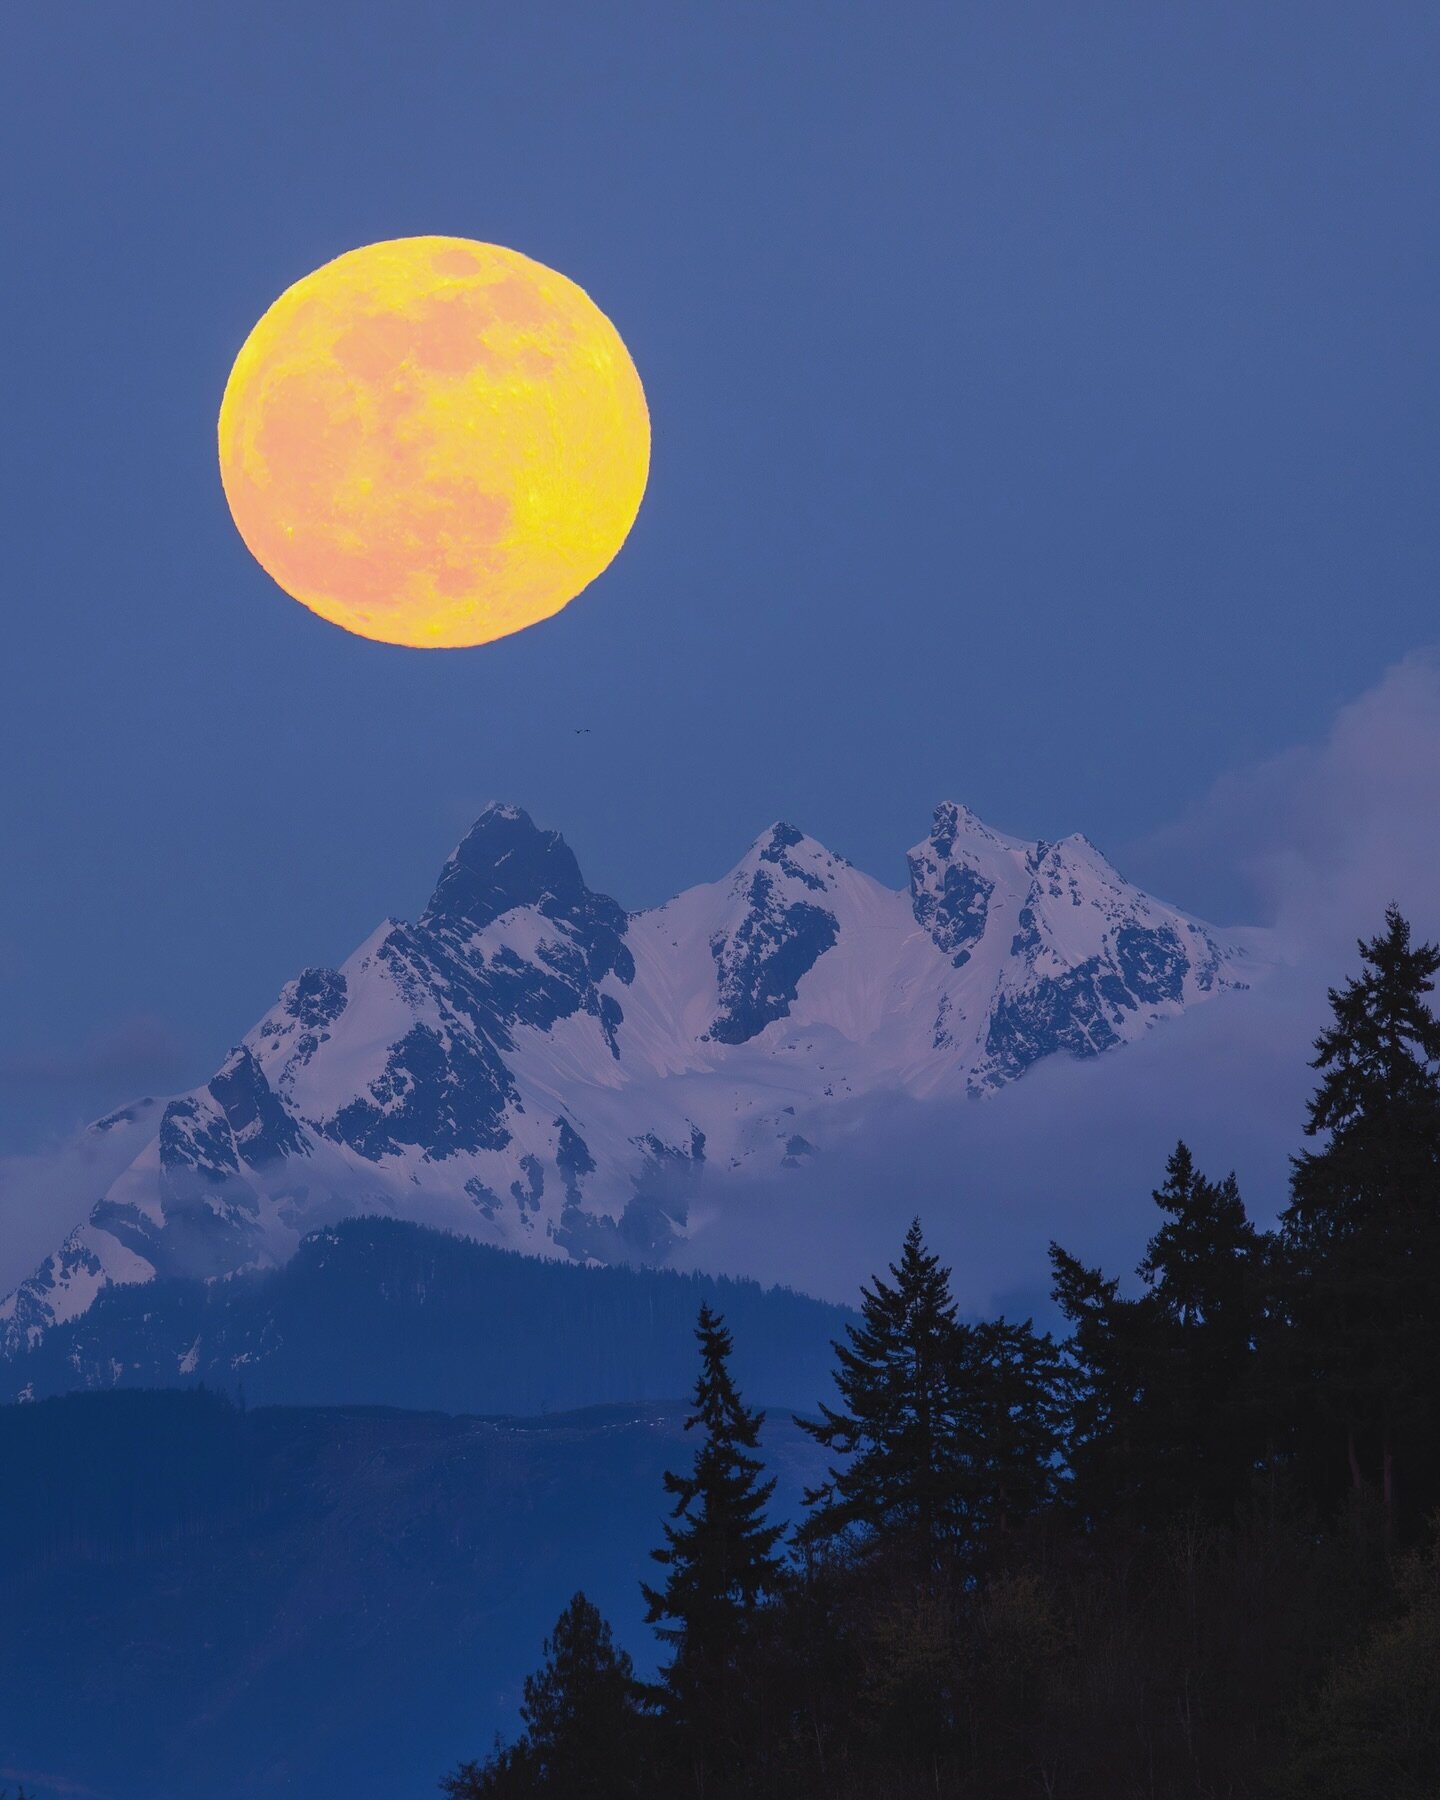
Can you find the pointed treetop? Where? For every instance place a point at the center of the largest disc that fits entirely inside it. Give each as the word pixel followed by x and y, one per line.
pixel 1383 1050
pixel 895 1421
pixel 719 1551
pixel 919 1271
pixel 1195 1262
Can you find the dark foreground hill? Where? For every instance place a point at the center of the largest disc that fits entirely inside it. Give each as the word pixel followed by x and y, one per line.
pixel 379 1311
pixel 327 1602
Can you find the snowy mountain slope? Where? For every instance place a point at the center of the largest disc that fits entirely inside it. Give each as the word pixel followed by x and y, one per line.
pixel 528 1065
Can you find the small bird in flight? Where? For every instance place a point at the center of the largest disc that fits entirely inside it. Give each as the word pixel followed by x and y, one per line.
pixel 582 730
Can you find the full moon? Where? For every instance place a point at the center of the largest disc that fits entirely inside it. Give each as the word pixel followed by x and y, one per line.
pixel 434 442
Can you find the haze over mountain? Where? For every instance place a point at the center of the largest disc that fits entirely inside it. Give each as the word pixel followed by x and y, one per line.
pixel 184 1579
pixel 529 1066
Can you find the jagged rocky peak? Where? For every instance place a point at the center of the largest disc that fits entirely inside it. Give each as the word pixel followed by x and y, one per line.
pixel 782 932
pixel 784 851
pixel 954 823
pixel 1074 853
pixel 528 1063
pixel 503 862
pixel 954 875
pixel 1071 879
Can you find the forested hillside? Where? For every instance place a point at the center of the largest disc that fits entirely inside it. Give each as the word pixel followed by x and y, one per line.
pixel 1187 1552
pixel 381 1311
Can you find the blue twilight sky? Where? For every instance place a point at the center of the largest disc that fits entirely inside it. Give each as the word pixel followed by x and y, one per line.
pixel 1044 406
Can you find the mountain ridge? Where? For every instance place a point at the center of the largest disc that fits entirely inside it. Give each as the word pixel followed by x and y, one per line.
pixel 381 1311
pixel 530 1065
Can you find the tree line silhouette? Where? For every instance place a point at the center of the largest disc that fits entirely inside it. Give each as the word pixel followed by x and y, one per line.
pixel 1188 1550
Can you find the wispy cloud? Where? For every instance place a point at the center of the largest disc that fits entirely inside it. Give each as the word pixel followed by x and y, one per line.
pixel 1325 834
pixel 44 1195
pixel 53 1178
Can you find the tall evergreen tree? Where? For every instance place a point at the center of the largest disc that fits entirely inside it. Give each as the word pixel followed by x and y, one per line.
pixel 899 1427
pixel 1206 1269
pixel 1202 1262
pixel 720 1562
pixel 1164 1417
pixel 1362 1230
pixel 1109 1358
pixel 1012 1402
pixel 585 1731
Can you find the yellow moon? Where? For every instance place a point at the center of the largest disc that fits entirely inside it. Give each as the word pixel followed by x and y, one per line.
pixel 434 442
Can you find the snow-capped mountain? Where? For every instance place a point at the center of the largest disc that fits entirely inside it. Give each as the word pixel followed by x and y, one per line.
pixel 530 1066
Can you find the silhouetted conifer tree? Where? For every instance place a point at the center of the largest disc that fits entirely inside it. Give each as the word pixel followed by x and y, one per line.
pixel 938 1648
pixel 720 1562
pixel 1165 1414
pixel 900 1427
pixel 1109 1357
pixel 1362 1230
pixel 1012 1400
pixel 1201 1261
pixel 585 1732
pixel 1206 1270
